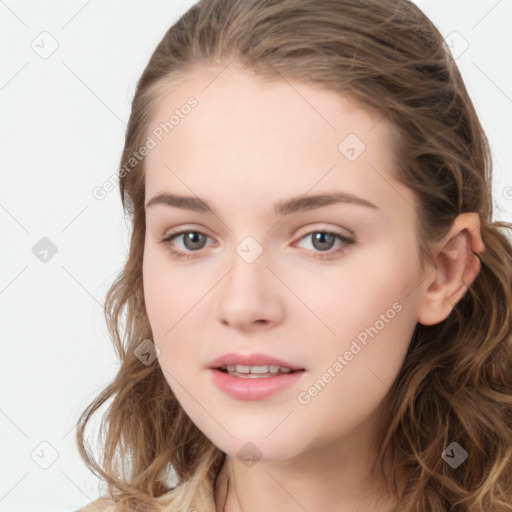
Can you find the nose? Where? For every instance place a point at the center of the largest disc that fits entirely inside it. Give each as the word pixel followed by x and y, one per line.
pixel 249 296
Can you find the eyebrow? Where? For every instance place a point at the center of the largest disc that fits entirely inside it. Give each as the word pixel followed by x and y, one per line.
pixel 288 206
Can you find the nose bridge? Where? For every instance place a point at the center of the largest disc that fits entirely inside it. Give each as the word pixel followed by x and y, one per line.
pixel 248 293
pixel 249 268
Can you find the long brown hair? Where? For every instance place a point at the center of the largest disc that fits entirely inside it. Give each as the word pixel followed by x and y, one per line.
pixel 456 380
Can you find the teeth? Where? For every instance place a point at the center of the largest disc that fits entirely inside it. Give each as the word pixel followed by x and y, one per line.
pixel 239 368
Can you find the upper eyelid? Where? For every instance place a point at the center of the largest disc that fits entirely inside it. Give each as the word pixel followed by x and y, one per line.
pixel 333 231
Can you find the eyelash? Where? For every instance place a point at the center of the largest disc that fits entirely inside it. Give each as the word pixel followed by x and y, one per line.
pixel 322 255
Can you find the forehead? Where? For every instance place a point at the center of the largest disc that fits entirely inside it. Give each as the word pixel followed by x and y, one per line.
pixel 264 136
pixel 234 97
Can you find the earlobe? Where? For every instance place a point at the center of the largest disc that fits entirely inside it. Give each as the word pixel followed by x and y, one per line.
pixel 457 266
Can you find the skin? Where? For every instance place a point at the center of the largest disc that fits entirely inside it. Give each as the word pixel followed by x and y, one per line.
pixel 248 144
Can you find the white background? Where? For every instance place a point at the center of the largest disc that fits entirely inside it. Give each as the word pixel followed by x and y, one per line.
pixel 62 131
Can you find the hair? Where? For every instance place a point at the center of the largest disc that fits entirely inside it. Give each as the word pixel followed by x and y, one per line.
pixel 456 380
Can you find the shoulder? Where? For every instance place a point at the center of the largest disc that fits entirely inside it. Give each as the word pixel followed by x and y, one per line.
pixel 99 505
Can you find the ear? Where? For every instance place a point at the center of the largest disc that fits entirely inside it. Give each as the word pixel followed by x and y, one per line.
pixel 456 267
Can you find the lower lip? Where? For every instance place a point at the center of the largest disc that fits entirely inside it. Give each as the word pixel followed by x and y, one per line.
pixel 247 388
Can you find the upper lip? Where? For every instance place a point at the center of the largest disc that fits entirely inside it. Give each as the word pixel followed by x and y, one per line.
pixel 255 359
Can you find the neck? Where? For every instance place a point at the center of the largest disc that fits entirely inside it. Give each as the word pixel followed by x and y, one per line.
pixel 314 480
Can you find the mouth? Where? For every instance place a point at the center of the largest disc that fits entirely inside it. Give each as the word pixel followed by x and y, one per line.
pixel 244 382
pixel 253 365
pixel 256 372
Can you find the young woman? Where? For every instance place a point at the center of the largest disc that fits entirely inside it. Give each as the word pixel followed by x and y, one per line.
pixel 315 312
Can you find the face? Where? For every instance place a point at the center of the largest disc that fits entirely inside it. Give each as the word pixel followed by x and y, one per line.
pixel 327 287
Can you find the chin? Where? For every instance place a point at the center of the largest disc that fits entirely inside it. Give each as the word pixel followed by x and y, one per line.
pixel 252 449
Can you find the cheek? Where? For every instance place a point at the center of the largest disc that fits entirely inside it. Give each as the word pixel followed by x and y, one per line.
pixel 353 372
pixel 162 300
pixel 371 317
pixel 175 300
pixel 158 297
pixel 353 296
pixel 169 292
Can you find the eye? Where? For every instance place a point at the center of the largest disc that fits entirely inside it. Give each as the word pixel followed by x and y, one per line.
pixel 324 241
pixel 194 241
